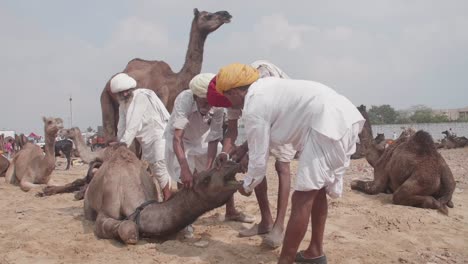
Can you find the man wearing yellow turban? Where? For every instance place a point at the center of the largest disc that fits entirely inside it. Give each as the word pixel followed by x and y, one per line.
pixel 317 121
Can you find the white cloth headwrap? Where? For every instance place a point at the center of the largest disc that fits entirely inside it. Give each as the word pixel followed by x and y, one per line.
pixel 122 82
pixel 268 69
pixel 199 84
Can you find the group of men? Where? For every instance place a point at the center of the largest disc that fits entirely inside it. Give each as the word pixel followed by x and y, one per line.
pixel 281 116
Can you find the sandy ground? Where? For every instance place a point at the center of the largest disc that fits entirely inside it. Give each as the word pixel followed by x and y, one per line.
pixel 360 228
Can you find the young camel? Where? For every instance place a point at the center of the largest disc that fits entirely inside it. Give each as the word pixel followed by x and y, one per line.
pixel 410 168
pixel 4 163
pixel 30 166
pixel 118 196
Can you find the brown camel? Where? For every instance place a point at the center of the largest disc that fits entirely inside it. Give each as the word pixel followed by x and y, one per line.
pixel 119 198
pixel 158 76
pixel 4 163
pixel 93 158
pixel 30 166
pixel 410 168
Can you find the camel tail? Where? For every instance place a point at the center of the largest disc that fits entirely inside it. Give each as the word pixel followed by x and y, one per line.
pixel 447 186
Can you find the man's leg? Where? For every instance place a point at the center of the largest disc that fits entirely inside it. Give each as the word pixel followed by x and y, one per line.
pixel 319 217
pixel 233 215
pixel 301 209
pixel 275 237
pixel 266 223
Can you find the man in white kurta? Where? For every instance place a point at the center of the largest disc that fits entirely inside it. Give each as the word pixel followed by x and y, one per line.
pixel 283 154
pixel 316 120
pixel 142 116
pixel 195 130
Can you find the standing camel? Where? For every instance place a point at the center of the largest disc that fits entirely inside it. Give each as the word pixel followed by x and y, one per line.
pixel 158 76
pixel 30 166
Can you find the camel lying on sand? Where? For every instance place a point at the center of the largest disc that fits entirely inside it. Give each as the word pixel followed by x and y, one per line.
pixel 30 166
pixel 118 196
pixel 410 168
pixel 4 163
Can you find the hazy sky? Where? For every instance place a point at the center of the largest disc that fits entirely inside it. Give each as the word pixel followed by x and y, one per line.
pixel 374 52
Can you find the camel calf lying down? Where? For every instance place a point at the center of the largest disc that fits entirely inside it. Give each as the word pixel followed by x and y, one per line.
pixel 413 170
pixel 122 184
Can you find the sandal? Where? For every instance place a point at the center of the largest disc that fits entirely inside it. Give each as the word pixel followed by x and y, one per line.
pixel 301 259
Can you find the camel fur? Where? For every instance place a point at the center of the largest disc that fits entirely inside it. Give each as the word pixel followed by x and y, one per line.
pixel 30 166
pixel 158 76
pixel 123 183
pixel 410 168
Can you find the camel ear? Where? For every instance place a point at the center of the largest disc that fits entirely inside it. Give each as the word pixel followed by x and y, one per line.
pixel 44 119
pixel 196 12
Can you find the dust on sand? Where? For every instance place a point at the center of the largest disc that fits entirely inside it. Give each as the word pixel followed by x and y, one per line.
pixel 360 228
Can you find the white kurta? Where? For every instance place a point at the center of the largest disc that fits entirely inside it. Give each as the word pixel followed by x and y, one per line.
pixel 198 132
pixel 145 117
pixel 281 111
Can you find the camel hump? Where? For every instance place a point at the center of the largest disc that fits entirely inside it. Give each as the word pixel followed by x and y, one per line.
pixel 424 142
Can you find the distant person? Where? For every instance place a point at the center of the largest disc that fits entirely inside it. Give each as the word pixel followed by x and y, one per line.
pixel 395 136
pixel 9 148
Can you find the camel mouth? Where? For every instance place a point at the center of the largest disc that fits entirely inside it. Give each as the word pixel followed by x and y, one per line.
pixel 230 177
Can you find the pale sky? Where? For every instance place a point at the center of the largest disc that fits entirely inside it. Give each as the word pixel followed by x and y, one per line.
pixel 398 52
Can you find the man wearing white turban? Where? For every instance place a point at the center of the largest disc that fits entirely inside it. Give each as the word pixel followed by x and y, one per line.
pixel 142 116
pixel 193 133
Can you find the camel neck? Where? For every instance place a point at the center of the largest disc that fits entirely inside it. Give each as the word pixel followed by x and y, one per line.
pixel 49 149
pixel 194 56
pixel 85 152
pixel 172 216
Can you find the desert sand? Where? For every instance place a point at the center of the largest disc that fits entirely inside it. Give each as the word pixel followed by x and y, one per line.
pixel 360 228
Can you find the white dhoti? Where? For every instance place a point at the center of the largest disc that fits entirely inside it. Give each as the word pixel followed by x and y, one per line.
pixel 153 153
pixel 323 161
pixel 283 153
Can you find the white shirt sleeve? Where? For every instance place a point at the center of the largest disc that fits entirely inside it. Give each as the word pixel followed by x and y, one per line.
pixel 121 124
pixel 216 126
pixel 258 139
pixel 134 120
pixel 182 110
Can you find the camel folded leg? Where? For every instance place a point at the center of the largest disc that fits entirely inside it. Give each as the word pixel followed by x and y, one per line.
pixel 67 188
pixel 378 185
pixel 26 185
pixel 410 194
pixel 107 227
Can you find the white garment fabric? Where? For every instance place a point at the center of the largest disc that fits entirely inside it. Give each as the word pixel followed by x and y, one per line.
pixel 144 118
pixel 323 161
pixel 198 131
pixel 283 111
pixel 283 153
pixel 122 82
pixel 199 84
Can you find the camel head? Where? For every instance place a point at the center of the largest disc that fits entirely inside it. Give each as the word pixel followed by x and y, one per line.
pixel 379 138
pixel 52 125
pixel 208 22
pixel 217 184
pixel 72 133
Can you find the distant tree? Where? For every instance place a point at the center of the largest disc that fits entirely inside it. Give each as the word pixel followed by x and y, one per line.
pixel 440 118
pixel 421 114
pixel 403 117
pixel 384 114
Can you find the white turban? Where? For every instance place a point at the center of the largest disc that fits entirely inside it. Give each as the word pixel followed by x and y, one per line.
pixel 122 82
pixel 199 84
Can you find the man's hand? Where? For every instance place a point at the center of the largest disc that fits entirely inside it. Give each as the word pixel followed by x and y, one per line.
pixel 221 159
pixel 186 177
pixel 244 164
pixel 238 153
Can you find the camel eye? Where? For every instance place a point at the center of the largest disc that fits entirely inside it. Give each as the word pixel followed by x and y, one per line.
pixel 208 16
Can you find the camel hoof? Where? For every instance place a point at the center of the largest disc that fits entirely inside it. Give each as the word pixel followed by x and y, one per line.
pixel 128 232
pixel 450 204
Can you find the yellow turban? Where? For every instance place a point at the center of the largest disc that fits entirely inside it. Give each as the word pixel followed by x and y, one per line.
pixel 235 75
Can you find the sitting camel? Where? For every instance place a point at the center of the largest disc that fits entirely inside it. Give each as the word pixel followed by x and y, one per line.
pixel 410 168
pixel 30 166
pixel 119 198
pixel 4 163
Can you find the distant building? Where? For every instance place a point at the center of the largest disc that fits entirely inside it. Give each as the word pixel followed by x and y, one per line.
pixel 453 114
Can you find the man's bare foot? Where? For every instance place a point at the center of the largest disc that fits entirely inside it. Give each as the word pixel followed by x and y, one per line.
pixel 274 238
pixel 256 229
